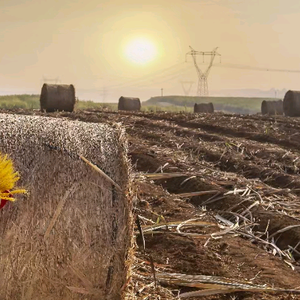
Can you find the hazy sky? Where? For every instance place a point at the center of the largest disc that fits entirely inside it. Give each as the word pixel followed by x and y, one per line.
pixel 83 42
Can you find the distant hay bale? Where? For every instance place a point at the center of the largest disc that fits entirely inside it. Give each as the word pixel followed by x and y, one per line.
pixel 57 97
pixel 69 239
pixel 272 107
pixel 291 104
pixel 203 108
pixel 131 104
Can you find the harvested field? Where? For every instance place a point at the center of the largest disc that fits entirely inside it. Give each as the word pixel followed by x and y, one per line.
pixel 235 180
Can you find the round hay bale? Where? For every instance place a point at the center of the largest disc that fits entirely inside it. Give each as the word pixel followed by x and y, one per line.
pixel 131 104
pixel 57 97
pixel 69 238
pixel 264 107
pixel 203 108
pixel 291 104
pixel 272 107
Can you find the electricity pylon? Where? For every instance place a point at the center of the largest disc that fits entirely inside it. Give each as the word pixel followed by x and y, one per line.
pixel 186 91
pixel 202 89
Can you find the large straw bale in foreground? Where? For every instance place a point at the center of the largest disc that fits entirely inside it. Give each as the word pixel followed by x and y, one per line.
pixel 272 107
pixel 70 238
pixel 203 108
pixel 128 103
pixel 57 97
pixel 291 104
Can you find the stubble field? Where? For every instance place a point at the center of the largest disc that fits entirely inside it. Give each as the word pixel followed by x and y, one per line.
pixel 233 179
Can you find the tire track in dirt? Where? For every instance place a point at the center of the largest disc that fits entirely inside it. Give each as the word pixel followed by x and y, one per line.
pixel 271 219
pixel 262 138
pixel 224 159
pixel 252 149
pixel 210 125
pixel 145 131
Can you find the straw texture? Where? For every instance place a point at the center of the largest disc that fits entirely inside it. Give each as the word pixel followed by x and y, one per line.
pixel 272 107
pixel 131 104
pixel 69 238
pixel 203 108
pixel 57 97
pixel 291 104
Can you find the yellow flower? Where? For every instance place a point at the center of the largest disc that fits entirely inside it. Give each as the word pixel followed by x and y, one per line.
pixel 8 179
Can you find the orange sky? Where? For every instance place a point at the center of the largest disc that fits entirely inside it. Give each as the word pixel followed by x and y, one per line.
pixel 82 42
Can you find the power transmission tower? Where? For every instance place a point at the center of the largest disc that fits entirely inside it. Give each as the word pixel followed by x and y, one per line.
pixel 202 89
pixel 186 91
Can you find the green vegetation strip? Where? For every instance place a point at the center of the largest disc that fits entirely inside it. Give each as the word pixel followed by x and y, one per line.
pixel 154 104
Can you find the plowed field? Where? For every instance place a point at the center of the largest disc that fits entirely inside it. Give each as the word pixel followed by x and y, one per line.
pixel 244 173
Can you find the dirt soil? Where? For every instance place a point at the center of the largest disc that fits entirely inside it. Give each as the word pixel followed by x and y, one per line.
pixel 248 170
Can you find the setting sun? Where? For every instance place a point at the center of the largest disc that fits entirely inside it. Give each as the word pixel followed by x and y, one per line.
pixel 140 51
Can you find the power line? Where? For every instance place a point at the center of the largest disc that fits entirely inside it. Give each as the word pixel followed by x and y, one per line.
pixel 144 82
pixel 148 76
pixel 163 75
pixel 176 71
pixel 165 78
pixel 245 67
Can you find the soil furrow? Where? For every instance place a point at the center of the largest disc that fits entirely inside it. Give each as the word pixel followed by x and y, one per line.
pixel 224 159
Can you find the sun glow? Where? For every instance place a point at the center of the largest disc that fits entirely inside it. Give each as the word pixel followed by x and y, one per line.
pixel 140 51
